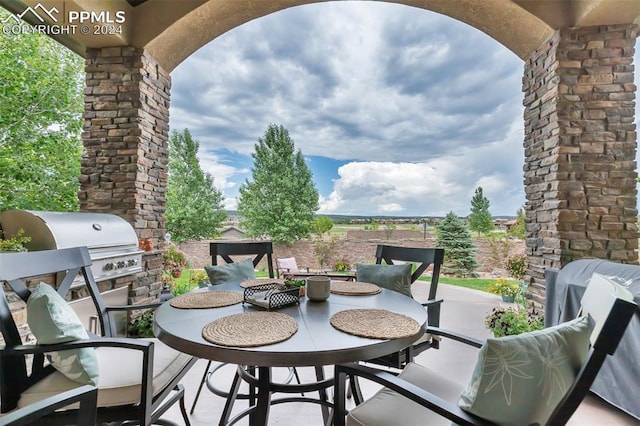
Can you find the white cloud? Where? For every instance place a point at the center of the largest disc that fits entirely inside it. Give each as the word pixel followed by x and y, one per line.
pixel 425 108
pixel 384 187
pixel 221 172
pixel 434 187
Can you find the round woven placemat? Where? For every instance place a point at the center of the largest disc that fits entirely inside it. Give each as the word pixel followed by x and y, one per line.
pixel 356 288
pixel 250 329
pixel 206 299
pixel 261 281
pixel 375 323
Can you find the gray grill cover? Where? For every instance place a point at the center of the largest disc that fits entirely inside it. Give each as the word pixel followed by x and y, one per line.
pixel 619 379
pixel 56 230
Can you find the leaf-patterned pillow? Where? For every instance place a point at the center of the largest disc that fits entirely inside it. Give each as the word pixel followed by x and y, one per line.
pixel 52 320
pixel 518 380
pixel 392 277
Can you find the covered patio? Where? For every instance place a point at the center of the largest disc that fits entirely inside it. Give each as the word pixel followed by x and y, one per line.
pixel 579 92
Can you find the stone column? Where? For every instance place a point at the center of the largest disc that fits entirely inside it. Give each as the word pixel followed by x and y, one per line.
pixel 125 136
pixel 580 150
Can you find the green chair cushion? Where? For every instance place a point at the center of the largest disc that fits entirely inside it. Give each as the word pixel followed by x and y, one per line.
pixel 519 380
pixel 392 277
pixel 231 272
pixel 52 320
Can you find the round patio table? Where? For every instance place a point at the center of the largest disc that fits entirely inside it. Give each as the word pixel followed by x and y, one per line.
pixel 316 342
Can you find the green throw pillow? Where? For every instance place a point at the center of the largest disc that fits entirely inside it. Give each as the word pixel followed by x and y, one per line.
pixel 392 277
pixel 52 320
pixel 518 380
pixel 231 272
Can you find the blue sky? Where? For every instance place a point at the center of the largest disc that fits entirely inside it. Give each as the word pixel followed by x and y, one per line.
pixel 398 110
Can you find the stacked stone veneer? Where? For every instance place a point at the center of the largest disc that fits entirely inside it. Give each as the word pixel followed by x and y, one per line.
pixel 124 164
pixel 580 149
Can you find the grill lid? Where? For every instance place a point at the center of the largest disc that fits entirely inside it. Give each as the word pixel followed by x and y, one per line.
pixel 56 230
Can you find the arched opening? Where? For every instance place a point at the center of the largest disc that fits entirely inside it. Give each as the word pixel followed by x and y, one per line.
pixel 514 26
pixel 579 96
pixel 416 109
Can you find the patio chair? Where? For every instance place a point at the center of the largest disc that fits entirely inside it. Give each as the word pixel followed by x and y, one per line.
pixel 233 253
pixel 423 257
pixel 533 378
pixel 137 379
pixel 86 396
pixel 287 266
pixel 258 250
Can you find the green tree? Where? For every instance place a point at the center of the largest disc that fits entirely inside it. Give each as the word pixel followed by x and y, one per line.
pixel 194 205
pixel 41 106
pixel 373 225
pixel 322 224
pixel 280 201
pixel 518 230
pixel 480 219
pixel 459 250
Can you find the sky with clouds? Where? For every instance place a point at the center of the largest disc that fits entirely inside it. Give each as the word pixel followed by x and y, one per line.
pixel 397 110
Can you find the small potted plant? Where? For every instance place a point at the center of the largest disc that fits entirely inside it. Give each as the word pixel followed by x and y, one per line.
pixel 504 288
pixel 509 321
pixel 199 277
pixel 290 282
pixel 15 243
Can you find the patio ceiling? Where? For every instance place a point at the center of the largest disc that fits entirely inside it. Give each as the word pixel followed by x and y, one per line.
pixel 172 30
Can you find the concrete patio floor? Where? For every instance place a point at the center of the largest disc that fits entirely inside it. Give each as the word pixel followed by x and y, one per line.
pixel 463 310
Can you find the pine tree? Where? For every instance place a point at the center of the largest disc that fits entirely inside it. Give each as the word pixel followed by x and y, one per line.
pixel 194 205
pixel 459 250
pixel 280 201
pixel 480 220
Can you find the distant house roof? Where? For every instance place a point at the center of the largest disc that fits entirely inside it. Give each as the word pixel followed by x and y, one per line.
pixel 231 232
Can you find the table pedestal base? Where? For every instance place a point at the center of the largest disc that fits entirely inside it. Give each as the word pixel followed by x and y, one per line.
pixel 261 389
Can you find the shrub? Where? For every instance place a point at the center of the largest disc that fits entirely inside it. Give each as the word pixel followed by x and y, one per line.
pixel 179 286
pixel 516 265
pixel 342 265
pixel 15 243
pixel 499 249
pixel 141 325
pixel 323 250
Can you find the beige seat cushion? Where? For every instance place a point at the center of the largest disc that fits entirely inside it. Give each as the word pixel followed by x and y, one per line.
pixel 288 264
pixel 120 376
pixel 387 408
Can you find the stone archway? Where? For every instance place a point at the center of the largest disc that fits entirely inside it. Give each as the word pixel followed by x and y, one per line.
pixel 580 140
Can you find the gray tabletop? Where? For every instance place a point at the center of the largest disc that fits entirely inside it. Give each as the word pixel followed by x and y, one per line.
pixel 316 342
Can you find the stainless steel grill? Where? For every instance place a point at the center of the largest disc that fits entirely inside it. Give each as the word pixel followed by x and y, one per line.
pixel 112 242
